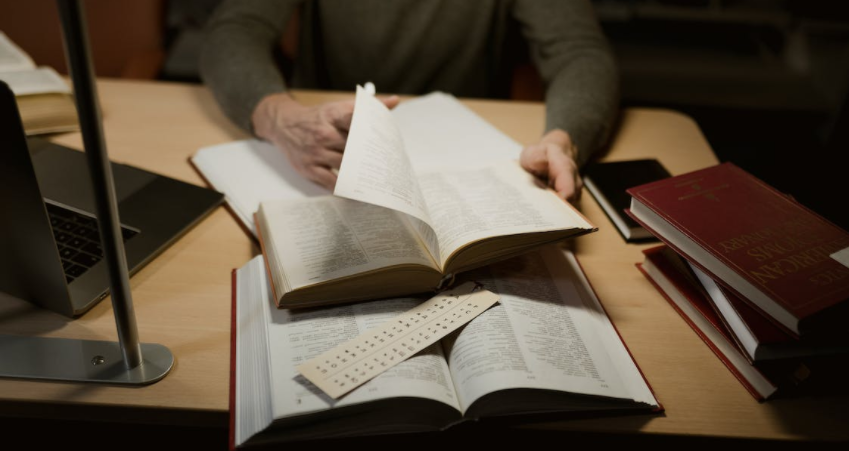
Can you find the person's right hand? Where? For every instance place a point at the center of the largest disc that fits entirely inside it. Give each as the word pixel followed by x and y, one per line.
pixel 312 137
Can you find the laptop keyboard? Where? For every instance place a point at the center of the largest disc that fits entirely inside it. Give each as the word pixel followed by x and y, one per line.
pixel 78 239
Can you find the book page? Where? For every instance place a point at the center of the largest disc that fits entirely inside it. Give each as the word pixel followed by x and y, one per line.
pixel 375 167
pixel 295 336
pixel 12 57
pixel 437 128
pixel 249 172
pixel 494 200
pixel 34 81
pixel 543 336
pixel 325 238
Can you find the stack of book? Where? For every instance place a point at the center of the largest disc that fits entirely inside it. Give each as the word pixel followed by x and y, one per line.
pixel 756 274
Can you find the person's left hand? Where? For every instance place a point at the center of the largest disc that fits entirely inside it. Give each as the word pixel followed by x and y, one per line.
pixel 553 161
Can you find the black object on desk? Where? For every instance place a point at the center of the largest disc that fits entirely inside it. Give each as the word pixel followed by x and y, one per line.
pixel 607 182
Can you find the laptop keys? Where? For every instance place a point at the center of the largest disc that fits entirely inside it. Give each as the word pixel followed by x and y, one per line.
pixel 85 259
pixel 78 240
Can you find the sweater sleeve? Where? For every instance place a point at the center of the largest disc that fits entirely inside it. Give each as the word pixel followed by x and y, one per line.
pixel 577 66
pixel 237 60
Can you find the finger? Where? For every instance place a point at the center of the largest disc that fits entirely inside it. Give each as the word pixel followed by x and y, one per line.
pixel 391 101
pixel 579 184
pixel 322 176
pixel 562 173
pixel 331 138
pixel 339 114
pixel 328 158
pixel 535 160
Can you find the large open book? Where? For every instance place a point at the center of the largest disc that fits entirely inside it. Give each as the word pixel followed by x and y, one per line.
pixel 389 230
pixel 547 349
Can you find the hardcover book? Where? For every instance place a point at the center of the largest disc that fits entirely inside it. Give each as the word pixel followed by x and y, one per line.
pixel 763 245
pixel 672 278
pixel 547 351
pixel 389 230
pixel 760 338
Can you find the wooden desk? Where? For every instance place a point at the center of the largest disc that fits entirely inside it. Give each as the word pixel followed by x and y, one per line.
pixel 182 299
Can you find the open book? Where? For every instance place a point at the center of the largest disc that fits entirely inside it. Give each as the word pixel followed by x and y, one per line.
pixel 436 128
pixel 389 230
pixel 547 349
pixel 44 100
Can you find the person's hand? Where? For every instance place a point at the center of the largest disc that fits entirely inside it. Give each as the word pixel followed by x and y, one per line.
pixel 553 161
pixel 312 137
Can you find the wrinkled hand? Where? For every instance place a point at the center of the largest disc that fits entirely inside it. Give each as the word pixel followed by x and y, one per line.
pixel 553 161
pixel 312 137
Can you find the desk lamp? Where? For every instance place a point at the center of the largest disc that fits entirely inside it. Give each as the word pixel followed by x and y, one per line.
pixel 126 362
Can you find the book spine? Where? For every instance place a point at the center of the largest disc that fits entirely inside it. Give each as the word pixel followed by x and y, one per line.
pixel 233 322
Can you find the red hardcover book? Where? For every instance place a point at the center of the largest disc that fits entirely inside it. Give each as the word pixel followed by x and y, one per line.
pixel 767 248
pixel 760 338
pixel 680 288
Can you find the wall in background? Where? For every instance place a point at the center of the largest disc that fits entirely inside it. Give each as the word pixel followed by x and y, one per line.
pixel 126 36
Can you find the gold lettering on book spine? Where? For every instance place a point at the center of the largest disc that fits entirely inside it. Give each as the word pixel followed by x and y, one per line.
pixel 790 264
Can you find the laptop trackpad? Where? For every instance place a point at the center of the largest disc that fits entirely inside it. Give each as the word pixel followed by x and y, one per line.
pixel 63 176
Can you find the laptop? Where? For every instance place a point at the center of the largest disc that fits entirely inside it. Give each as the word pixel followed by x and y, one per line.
pixel 50 252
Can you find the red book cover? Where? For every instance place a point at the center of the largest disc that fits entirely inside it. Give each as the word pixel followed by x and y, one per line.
pixel 760 243
pixel 695 309
pixel 761 339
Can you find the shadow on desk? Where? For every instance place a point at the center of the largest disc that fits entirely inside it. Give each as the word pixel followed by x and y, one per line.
pixel 21 317
pixel 41 434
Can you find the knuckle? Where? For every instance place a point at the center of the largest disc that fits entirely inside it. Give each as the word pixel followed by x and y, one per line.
pixel 325 135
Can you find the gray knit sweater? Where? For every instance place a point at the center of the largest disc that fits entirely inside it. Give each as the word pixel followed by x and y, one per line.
pixel 414 47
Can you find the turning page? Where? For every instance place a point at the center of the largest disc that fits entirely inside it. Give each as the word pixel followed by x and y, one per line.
pixel 13 57
pixel 375 167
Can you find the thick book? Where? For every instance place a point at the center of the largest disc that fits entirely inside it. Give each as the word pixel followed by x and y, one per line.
pixel 44 99
pixel 679 286
pixel 389 230
pixel 608 181
pixel 760 338
pixel 763 245
pixel 547 351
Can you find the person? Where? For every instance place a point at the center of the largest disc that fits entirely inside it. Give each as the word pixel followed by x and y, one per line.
pixel 410 47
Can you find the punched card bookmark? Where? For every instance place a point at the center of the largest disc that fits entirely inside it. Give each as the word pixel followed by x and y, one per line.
pixel 353 363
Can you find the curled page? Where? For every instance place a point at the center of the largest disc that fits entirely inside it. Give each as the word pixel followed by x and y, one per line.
pixel 375 167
